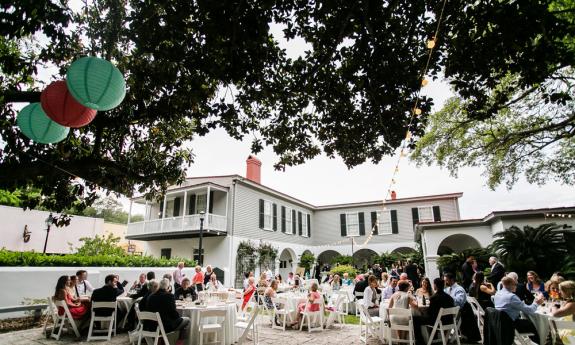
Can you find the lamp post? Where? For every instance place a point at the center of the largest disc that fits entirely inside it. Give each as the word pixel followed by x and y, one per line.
pixel 200 261
pixel 49 221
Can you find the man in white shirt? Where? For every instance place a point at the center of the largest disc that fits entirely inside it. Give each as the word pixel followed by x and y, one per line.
pixel 290 279
pixel 390 289
pixel 83 286
pixel 456 291
pixel 178 276
pixel 506 300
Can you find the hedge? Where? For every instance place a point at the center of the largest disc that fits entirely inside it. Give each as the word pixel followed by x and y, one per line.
pixel 10 258
pixel 341 269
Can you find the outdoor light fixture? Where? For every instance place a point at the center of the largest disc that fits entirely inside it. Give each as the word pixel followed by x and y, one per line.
pixel 49 221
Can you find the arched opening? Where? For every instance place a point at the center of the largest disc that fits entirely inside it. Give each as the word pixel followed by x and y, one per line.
pixel 287 260
pixel 404 250
pixel 364 257
pixel 457 243
pixel 326 257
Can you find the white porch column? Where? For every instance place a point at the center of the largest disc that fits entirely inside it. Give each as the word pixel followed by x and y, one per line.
pixel 163 213
pixel 207 222
pixel 130 212
pixel 184 210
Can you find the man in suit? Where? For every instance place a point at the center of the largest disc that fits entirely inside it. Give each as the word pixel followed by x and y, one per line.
pixel 144 287
pixel 467 270
pixel 497 271
pixel 164 303
pixel 107 293
pixel 438 300
pixel 411 271
pixel 390 289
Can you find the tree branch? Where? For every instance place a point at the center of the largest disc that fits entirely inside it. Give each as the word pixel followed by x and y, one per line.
pixel 21 96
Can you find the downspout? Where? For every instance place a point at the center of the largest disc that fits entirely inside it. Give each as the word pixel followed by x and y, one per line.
pixel 231 241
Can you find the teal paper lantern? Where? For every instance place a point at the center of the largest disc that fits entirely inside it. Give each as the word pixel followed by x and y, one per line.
pixel 96 83
pixel 36 125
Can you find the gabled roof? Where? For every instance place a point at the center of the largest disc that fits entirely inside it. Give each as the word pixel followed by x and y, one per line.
pixel 391 202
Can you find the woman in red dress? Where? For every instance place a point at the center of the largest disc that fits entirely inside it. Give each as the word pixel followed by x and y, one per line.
pixel 249 291
pixel 77 309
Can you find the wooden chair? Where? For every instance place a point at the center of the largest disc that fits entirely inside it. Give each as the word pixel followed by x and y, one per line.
pixel 111 319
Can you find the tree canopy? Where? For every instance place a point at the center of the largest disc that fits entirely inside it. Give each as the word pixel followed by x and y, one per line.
pixel 192 66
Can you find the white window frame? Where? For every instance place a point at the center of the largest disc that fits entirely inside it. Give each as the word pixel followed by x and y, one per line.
pixel 289 224
pixel 268 217
pixel 304 225
pixel 421 220
pixel 348 223
pixel 384 220
pixel 198 210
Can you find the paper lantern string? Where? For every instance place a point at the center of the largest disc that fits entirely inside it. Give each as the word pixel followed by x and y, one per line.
pixel 62 108
pixel 37 126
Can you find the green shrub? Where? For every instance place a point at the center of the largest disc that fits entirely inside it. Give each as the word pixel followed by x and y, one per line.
pixel 341 269
pixel 306 261
pixel 342 260
pixel 10 258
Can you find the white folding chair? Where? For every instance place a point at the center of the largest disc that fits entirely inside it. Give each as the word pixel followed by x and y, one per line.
pixel 445 329
pixel 62 320
pixel 313 317
pixel 567 327
pixel 336 312
pixel 281 313
pixel 248 326
pixel 368 325
pixel 51 314
pixel 358 297
pixel 216 328
pixel 111 319
pixel 133 335
pixel 404 314
pixel 523 338
pixel 479 313
pixel 156 334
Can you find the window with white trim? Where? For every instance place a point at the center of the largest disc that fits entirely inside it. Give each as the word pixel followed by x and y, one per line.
pixel 289 225
pixel 201 200
pixel 304 224
pixel 384 222
pixel 268 215
pixel 425 214
pixel 352 224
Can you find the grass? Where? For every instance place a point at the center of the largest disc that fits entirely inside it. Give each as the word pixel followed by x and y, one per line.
pixel 351 320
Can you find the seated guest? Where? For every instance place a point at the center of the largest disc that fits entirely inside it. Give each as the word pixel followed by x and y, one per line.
pixel 505 300
pixel 246 276
pixel 290 279
pixel 370 300
pixel 278 277
pixel 535 284
pixel 346 281
pixel 169 278
pixel 552 286
pixel 481 290
pixel 425 289
pixel 438 300
pixel 336 283
pixel 361 284
pixel 327 278
pixel 198 279
pixel 262 284
pixel 83 286
pixel 249 291
pixel 297 281
pixel 390 289
pixel 270 293
pixel 163 302
pixel 521 290
pixel 77 309
pixel 139 284
pixel 384 280
pixel 144 289
pixel 208 274
pixel 456 291
pixel 153 287
pixel 186 290
pixel 71 289
pixel 214 284
pixel 567 291
pixel 402 299
pixel 107 293
pixel 312 298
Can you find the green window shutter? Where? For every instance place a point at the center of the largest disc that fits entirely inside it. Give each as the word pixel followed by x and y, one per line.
pixel 275 217
pixel 177 207
pixel 308 225
pixel 261 213
pixel 436 214
pixel 293 222
pixel 211 206
pixel 192 204
pixel 343 225
pixel 374 224
pixel 283 215
pixel 361 224
pixel 299 223
pixel 394 225
pixel 415 216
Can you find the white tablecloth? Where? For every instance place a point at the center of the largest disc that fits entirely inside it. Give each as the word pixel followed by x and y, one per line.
pixel 293 300
pixel 193 313
pixel 125 303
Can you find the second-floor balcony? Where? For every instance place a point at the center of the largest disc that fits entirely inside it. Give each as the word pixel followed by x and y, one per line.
pixel 182 213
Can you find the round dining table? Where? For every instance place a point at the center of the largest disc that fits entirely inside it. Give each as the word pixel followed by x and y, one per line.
pixel 192 311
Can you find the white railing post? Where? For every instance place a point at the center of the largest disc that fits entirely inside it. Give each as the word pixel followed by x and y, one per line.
pixel 163 213
pixel 184 211
pixel 208 208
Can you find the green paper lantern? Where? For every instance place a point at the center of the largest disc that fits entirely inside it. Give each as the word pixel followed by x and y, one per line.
pixel 96 83
pixel 36 125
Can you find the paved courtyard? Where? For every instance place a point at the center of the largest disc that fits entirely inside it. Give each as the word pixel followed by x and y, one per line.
pixel 349 334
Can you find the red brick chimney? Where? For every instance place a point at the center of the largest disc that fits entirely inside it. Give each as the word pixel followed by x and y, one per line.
pixel 393 195
pixel 253 169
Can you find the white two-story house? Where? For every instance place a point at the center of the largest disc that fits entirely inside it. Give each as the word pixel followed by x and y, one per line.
pixel 240 209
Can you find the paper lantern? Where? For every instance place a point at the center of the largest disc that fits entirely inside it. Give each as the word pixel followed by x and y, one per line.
pixel 96 83
pixel 36 125
pixel 62 108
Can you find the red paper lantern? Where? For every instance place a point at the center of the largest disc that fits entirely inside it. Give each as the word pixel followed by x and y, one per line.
pixel 62 108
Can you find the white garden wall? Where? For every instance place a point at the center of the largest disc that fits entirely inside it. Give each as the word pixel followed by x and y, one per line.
pixel 19 283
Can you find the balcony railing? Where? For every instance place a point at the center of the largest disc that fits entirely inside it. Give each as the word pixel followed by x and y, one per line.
pixel 178 224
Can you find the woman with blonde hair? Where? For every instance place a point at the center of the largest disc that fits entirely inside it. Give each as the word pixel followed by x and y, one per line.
pixel 552 286
pixel 384 280
pixel 567 311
